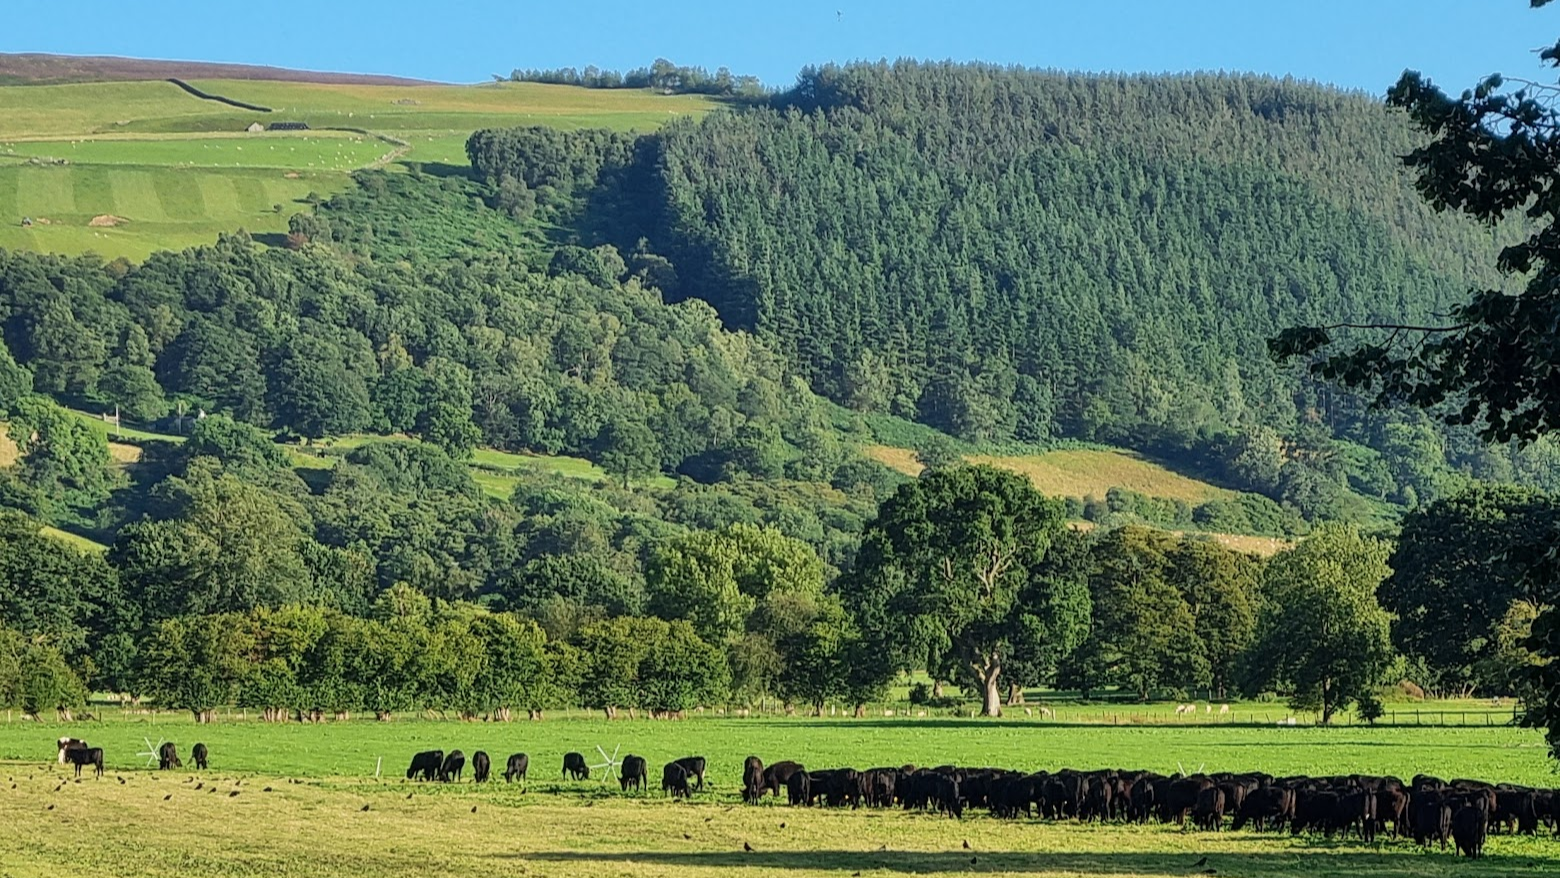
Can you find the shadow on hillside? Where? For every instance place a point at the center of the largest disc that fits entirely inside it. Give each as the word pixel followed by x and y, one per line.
pixel 1377 865
pixel 442 169
pixel 270 239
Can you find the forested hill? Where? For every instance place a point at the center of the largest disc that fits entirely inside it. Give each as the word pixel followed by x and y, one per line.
pixel 1008 254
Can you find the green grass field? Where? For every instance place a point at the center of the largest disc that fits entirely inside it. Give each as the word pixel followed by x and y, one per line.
pixel 307 801
pixel 176 170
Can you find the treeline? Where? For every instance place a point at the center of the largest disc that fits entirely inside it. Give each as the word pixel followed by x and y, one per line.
pixel 662 75
pixel 1009 254
pixel 393 587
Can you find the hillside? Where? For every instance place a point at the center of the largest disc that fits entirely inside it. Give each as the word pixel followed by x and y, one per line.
pixel 126 168
pixel 1029 255
pixel 39 68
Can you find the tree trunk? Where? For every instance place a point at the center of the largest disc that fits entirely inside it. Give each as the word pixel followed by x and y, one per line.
pixel 990 678
pixel 861 711
pixel 937 688
pixel 1015 694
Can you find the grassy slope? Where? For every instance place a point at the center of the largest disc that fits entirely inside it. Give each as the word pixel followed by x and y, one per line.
pixel 180 169
pixel 1087 472
pixel 160 824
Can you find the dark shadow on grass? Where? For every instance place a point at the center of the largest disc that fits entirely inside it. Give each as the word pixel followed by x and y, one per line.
pixel 1400 864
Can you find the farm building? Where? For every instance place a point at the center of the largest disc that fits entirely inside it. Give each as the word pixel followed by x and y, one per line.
pixel 255 128
pixel 288 126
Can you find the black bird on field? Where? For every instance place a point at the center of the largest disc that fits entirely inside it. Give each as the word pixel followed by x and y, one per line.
pixel 408 795
pixel 966 844
pixel 266 790
pixel 473 809
pixel 745 846
pixel 51 807
pixel 365 807
pixel 167 797
pixel 782 826
pixel 974 860
pixel 232 794
pixel 1200 863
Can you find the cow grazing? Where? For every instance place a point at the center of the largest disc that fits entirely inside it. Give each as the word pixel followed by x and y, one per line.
pixel 168 757
pixel 574 766
pixel 517 766
pixel 752 779
pixel 427 764
pixel 481 766
pixel 694 765
pixel 454 763
pixel 68 743
pixel 1208 811
pixel 634 774
pixel 79 756
pixel 198 753
pixel 1470 826
pixel 674 779
pixel 776 776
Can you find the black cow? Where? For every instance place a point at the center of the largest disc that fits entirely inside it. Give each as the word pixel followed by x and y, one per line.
pixel 752 780
pixel 69 743
pixel 427 764
pixel 634 772
pixel 517 766
pixel 168 757
pixel 1432 817
pixel 1470 826
pixel 480 766
pixel 574 766
pixel 1208 811
pixel 777 775
pixel 79 756
pixel 798 788
pixel 674 778
pixel 453 764
pixel 198 753
pixel 694 765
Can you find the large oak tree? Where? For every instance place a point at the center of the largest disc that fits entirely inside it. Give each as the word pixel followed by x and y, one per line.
pixel 953 570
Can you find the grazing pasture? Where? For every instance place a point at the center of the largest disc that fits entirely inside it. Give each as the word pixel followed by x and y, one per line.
pixel 306 802
pixel 173 170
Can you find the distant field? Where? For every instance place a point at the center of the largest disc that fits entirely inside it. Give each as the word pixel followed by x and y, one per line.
pixel 301 800
pixel 1078 473
pixel 177 169
pixel 300 151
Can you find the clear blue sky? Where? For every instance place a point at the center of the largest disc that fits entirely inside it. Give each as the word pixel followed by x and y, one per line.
pixel 1359 44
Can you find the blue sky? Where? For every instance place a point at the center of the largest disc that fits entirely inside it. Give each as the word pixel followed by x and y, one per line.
pixel 1362 44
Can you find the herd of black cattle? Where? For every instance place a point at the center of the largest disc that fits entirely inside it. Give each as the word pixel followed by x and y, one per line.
pixel 1427 808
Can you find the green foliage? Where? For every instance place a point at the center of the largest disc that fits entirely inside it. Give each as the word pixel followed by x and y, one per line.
pixel 64 459
pixel 35 678
pixel 949 573
pixel 1322 637
pixel 1461 567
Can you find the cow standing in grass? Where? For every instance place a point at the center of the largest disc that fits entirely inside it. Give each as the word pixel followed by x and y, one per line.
pixel 80 756
pixel 516 768
pixel 168 757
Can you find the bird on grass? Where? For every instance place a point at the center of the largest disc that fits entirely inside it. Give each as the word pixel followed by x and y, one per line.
pixel 745 846
pixel 167 797
pixel 365 807
pixel 974 860
pixel 51 807
pixel 408 795
pixel 782 826
pixel 201 785
pixel 687 836
pixel 473 809
pixel 121 780
pixel 966 844
pixel 1200 863
pixel 266 790
pixel 232 794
